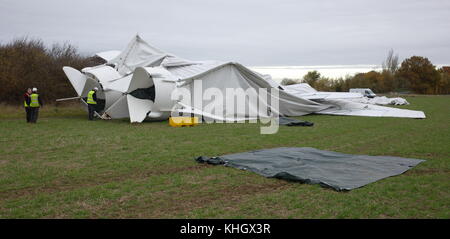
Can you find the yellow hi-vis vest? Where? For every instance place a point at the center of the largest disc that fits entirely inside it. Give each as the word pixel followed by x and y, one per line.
pixel 25 103
pixel 90 98
pixel 34 100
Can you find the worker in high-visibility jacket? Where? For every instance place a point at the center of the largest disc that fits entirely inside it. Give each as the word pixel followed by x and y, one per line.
pixel 92 102
pixel 26 98
pixel 34 103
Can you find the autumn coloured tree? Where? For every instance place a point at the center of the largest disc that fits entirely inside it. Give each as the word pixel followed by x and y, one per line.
pixel 311 78
pixel 28 63
pixel 420 74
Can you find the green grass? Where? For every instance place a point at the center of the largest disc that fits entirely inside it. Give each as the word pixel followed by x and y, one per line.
pixel 68 167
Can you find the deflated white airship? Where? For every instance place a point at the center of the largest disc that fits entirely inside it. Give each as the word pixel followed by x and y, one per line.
pixel 140 82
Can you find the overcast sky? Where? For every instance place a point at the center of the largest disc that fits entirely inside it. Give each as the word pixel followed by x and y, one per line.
pixel 253 32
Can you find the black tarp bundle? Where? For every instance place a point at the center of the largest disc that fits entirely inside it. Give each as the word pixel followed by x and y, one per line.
pixel 293 122
pixel 341 172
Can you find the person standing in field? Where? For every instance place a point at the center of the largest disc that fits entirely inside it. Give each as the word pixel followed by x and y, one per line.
pixel 92 102
pixel 34 103
pixel 26 98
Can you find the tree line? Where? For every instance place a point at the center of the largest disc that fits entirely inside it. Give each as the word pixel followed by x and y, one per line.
pixel 30 63
pixel 27 63
pixel 414 75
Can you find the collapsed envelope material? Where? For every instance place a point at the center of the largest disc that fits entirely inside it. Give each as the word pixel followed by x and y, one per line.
pixel 137 83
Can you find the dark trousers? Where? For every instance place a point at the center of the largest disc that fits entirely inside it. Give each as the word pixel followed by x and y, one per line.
pixel 91 109
pixel 34 114
pixel 28 114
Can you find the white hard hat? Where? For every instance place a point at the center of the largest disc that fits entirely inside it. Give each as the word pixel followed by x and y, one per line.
pixel 96 88
pixel 34 89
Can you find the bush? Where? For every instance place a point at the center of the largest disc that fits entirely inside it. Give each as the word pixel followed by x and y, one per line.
pixel 26 63
pixel 287 81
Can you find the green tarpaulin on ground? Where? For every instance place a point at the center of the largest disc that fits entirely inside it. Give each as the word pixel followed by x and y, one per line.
pixel 339 171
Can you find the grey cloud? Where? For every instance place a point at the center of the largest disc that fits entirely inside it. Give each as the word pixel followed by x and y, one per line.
pixel 252 32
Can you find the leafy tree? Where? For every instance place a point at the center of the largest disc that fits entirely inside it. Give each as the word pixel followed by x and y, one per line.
pixel 420 74
pixel 287 81
pixel 370 80
pixel 338 85
pixel 386 82
pixel 311 78
pixel 444 83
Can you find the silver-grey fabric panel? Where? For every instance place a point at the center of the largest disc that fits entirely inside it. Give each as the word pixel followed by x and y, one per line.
pixel 339 171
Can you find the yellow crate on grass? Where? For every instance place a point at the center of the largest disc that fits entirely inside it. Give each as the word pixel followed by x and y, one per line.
pixel 183 121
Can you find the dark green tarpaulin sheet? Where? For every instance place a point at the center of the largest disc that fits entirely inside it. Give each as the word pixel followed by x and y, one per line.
pixel 293 122
pixel 339 171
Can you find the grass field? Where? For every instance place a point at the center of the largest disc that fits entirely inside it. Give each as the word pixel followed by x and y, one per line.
pixel 67 167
